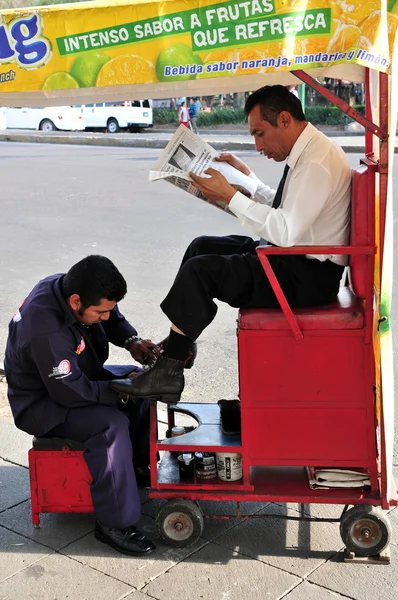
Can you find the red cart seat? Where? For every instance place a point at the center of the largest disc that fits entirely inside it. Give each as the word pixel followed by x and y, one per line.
pixel 345 313
pixel 348 310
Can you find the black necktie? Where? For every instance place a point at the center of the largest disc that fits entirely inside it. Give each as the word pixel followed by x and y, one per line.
pixel 278 196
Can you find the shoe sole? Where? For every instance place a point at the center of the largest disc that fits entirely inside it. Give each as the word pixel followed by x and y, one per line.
pixel 115 547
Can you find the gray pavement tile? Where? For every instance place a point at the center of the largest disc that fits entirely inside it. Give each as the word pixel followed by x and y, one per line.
pixel 17 553
pixel 324 511
pixel 218 573
pixel 361 582
pixel 310 591
pixel 393 518
pixel 297 547
pixel 135 571
pixel 57 577
pixel 14 443
pixel 56 529
pixel 14 485
pixel 212 527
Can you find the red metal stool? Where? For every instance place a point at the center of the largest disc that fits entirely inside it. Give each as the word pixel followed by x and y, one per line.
pixel 59 478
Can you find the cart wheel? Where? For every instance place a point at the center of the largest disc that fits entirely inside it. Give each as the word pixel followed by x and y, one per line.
pixel 180 523
pixel 365 530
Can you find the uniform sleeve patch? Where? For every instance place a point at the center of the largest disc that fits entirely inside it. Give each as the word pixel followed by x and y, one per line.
pixel 81 346
pixel 63 370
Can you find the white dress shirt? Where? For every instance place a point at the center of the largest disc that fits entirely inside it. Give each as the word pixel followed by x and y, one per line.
pixel 315 207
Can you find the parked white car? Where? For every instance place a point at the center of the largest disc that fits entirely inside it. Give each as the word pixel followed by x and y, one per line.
pixel 3 120
pixel 133 115
pixel 51 118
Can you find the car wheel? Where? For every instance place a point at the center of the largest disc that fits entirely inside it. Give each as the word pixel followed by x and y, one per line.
pixel 47 125
pixel 113 126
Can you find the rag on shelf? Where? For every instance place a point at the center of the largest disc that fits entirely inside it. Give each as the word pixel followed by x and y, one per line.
pixel 336 478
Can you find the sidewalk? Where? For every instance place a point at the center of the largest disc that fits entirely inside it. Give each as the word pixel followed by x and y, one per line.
pixel 264 559
pixel 155 138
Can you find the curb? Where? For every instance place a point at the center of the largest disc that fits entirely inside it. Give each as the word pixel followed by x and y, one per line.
pixel 124 142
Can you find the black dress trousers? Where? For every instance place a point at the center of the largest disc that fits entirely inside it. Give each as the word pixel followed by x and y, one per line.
pixel 228 269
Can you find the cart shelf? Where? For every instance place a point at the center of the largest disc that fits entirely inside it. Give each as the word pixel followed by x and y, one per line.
pixel 268 484
pixel 208 436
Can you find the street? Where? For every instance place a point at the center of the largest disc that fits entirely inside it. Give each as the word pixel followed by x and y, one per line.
pixel 60 203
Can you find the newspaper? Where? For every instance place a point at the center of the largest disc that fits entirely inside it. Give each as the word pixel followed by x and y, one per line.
pixel 187 152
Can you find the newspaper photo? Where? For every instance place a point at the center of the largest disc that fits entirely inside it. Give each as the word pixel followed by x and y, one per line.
pixel 187 152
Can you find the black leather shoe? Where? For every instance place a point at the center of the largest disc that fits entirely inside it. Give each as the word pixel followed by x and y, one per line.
pixel 188 363
pixel 165 379
pixel 128 541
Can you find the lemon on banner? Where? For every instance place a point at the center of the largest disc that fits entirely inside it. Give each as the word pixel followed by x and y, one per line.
pixel 61 80
pixel 126 69
pixel 87 66
pixel 176 56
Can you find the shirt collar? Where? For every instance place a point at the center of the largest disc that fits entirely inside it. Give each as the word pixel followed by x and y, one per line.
pixel 300 144
pixel 70 318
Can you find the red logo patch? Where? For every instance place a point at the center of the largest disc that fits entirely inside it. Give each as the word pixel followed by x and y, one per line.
pixel 64 367
pixel 81 346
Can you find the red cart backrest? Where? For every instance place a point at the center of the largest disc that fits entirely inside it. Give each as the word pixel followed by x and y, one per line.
pixel 362 226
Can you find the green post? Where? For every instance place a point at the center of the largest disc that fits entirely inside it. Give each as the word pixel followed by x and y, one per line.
pixel 302 95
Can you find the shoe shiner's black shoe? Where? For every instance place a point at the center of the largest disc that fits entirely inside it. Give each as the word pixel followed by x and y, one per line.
pixel 189 362
pixel 165 379
pixel 128 541
pixel 230 416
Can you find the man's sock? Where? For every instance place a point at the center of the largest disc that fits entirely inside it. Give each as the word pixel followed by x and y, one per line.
pixel 178 346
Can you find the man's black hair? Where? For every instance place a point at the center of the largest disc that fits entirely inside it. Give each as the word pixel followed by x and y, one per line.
pixel 94 278
pixel 272 100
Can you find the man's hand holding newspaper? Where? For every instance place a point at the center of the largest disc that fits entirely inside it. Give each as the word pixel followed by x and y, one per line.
pixel 191 164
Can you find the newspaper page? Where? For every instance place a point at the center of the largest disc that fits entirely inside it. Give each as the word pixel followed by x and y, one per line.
pixel 187 152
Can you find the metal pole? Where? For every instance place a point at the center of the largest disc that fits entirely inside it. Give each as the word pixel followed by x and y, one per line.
pixel 302 95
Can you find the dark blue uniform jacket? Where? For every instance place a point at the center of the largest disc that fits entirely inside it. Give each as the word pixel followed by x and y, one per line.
pixel 54 363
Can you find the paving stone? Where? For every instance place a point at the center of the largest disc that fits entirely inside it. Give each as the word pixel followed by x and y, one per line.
pixel 135 571
pixel 361 582
pixel 212 527
pixel 14 484
pixel 393 518
pixel 56 529
pixel 216 573
pixel 297 547
pixel 57 577
pixel 14 443
pixel 16 553
pixel 310 591
pixel 324 511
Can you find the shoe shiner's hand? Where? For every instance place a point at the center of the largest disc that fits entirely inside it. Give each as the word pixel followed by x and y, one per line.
pixel 215 187
pixel 140 350
pixel 234 161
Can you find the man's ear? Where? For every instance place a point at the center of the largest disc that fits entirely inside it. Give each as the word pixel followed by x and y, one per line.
pixel 284 118
pixel 75 302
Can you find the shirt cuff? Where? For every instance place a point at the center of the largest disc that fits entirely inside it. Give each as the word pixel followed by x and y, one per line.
pixel 240 203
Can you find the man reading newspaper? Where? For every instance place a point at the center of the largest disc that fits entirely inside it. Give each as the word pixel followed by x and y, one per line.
pixel 310 207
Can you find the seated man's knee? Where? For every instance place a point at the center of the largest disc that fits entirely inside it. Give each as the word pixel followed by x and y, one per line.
pixel 198 246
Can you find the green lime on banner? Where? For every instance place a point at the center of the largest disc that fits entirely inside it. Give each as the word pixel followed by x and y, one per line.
pixel 60 81
pixel 172 63
pixel 87 66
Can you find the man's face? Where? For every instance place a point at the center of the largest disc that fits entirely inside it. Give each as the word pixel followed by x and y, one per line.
pixel 92 314
pixel 271 141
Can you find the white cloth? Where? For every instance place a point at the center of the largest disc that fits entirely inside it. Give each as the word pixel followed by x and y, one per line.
pixel 337 478
pixel 315 208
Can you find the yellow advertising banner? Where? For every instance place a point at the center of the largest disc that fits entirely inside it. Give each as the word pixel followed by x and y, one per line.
pixel 161 44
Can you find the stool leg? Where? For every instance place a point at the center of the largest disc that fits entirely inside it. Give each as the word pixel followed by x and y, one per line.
pixel 36 520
